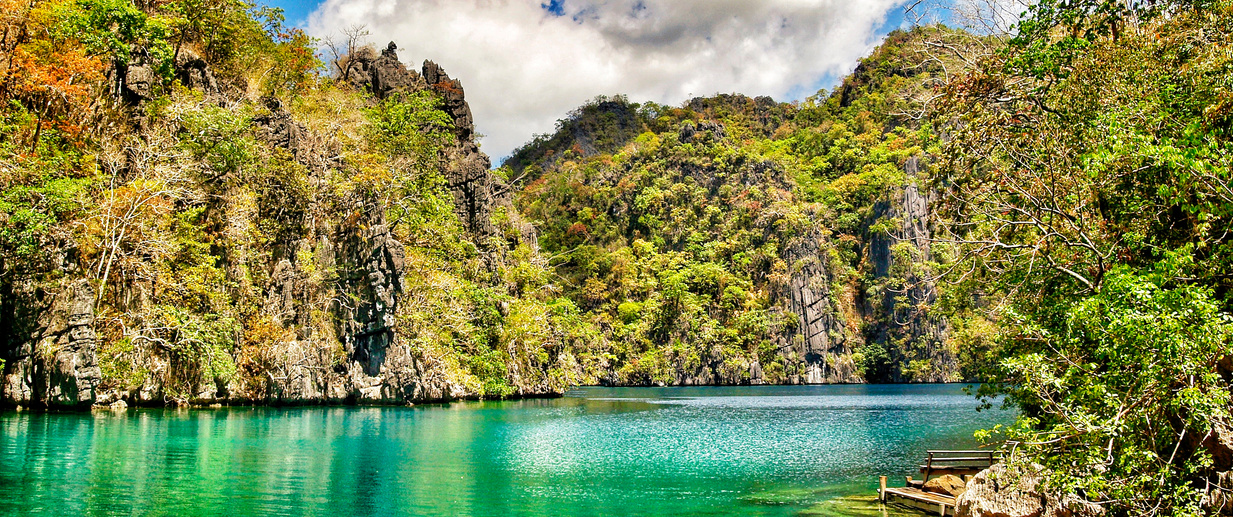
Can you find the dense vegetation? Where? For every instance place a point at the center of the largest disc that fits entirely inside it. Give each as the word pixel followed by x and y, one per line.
pixel 175 157
pixel 1089 193
pixel 226 200
pixel 689 234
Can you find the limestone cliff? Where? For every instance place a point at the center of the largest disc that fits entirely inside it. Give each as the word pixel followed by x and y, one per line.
pixel 900 308
pixel 49 345
pixel 328 286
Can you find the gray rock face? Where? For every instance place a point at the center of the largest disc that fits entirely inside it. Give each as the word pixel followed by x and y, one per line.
pixel 281 296
pixel 382 75
pixel 136 82
pixel 455 100
pixel 821 347
pixel 476 191
pixel 55 362
pixel 193 72
pixel 901 312
pixel 368 328
pixel 1001 492
pixel 278 129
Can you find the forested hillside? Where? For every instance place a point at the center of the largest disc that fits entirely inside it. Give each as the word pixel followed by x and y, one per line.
pixel 1088 198
pixel 738 239
pixel 192 209
pixel 198 209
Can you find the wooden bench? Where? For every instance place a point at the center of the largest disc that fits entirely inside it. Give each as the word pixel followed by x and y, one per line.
pixel 958 463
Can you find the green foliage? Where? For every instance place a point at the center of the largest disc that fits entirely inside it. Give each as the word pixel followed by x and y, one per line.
pixel 603 125
pixel 218 136
pixel 1094 209
pixel 410 125
pixel 1132 374
pixel 490 369
pixel 32 214
pixel 117 28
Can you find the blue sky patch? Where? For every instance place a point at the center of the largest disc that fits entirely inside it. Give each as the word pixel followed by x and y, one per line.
pixel 554 7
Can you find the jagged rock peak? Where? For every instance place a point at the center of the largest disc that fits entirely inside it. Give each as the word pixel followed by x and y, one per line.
pixel 455 100
pixel 433 73
pixel 382 75
pixel 391 51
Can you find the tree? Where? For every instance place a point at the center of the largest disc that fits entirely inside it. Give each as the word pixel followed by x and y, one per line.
pixel 1089 195
pixel 342 53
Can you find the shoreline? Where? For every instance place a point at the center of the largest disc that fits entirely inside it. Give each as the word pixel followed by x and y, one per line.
pixel 206 404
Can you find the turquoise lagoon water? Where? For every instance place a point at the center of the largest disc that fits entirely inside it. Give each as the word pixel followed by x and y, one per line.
pixel 773 451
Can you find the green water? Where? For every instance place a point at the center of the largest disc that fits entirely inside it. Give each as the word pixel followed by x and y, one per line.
pixel 771 451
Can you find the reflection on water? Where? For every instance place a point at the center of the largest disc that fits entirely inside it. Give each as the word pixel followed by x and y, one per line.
pixel 617 451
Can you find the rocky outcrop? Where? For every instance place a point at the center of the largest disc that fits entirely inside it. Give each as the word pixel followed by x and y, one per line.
pixel 689 132
pixel 454 98
pixel 53 362
pixel 900 310
pixel 193 72
pixel 820 351
pixel 476 191
pixel 138 81
pixel 1000 491
pixel 276 127
pixel 382 74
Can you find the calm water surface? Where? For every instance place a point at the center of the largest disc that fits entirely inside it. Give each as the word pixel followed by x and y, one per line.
pixel 598 451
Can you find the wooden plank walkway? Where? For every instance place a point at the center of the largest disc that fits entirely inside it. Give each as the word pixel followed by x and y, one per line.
pixel 917 498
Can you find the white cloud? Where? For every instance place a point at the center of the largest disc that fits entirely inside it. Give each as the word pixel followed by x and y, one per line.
pixel 526 63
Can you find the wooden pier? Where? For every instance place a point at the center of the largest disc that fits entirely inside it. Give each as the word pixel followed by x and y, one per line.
pixel 916 498
pixel 960 463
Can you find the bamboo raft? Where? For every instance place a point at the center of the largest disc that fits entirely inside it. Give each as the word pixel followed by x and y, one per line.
pixel 959 463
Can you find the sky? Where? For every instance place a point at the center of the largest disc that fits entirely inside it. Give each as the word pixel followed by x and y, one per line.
pixel 526 63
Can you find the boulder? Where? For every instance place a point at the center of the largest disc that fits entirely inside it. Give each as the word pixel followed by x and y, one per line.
pixel 946 485
pixel 138 82
pixel 1000 491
